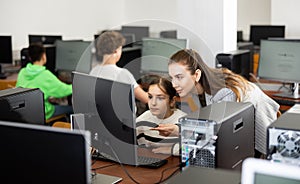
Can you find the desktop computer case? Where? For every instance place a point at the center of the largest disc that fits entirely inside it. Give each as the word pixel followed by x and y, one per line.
pixel 284 139
pixel 233 139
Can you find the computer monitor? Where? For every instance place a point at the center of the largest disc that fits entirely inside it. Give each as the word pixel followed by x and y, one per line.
pixel 41 154
pixel 108 108
pixel 131 60
pixel 238 61
pixel 260 32
pixel 6 49
pixel 280 61
pixel 43 39
pixel 240 36
pixel 259 171
pixel 157 51
pixel 168 34
pixel 73 56
pixel 5 53
pixel 139 32
pixel 22 105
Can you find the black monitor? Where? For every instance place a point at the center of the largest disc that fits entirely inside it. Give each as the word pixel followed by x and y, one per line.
pixel 131 60
pixel 73 56
pixel 108 109
pixel 260 32
pixel 6 49
pixel 5 53
pixel 168 34
pixel 279 60
pixel 139 32
pixel 22 105
pixel 240 36
pixel 238 61
pixel 157 51
pixel 40 154
pixel 44 39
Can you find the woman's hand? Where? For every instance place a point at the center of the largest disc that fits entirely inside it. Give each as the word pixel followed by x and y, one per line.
pixel 167 129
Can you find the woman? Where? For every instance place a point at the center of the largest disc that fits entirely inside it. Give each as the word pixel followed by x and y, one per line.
pixel 109 51
pixel 200 85
pixel 162 110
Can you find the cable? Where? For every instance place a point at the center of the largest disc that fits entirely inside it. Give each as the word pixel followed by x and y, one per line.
pixel 124 169
pixel 102 167
pixel 162 173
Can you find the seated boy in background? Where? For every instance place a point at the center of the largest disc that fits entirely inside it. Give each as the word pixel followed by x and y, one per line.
pixel 35 75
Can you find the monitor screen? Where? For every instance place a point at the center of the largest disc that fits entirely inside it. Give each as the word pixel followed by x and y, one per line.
pixel 74 56
pixel 40 154
pixel 168 34
pixel 6 49
pixel 260 32
pixel 279 60
pixel 22 105
pixel 139 32
pixel 131 60
pixel 157 51
pixel 260 171
pixel 108 108
pixel 44 39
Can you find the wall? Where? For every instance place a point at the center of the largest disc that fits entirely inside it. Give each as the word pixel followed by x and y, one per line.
pixel 72 19
pixel 252 12
pixel 198 19
pixel 287 13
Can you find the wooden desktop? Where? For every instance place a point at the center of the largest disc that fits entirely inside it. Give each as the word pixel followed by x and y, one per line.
pixel 140 174
pixel 9 82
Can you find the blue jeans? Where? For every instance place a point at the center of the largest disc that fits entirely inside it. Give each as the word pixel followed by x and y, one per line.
pixel 62 109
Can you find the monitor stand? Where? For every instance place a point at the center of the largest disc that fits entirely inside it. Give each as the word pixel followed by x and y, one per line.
pixel 2 75
pixel 294 94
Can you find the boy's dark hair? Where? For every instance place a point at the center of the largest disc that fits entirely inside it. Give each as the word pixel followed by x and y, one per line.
pixel 108 42
pixel 36 51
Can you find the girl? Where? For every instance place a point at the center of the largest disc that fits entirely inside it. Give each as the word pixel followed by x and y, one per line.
pixel 162 110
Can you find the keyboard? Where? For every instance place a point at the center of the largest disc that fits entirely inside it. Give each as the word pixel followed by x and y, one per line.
pixel 149 162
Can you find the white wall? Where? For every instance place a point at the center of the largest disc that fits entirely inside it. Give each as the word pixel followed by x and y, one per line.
pixel 198 19
pixel 287 13
pixel 72 19
pixel 253 12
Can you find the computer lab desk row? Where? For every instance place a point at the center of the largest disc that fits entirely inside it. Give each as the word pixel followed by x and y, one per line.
pixel 138 173
pixel 168 174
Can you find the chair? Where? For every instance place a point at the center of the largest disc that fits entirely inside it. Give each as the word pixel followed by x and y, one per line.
pixel 52 120
pixel 61 124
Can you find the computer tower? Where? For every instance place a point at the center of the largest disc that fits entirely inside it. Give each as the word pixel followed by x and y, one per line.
pixel 22 105
pixel 238 61
pixel 220 135
pixel 283 139
pixel 50 53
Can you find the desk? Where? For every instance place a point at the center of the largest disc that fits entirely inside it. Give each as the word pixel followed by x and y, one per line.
pixel 140 174
pixel 9 82
pixel 283 107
